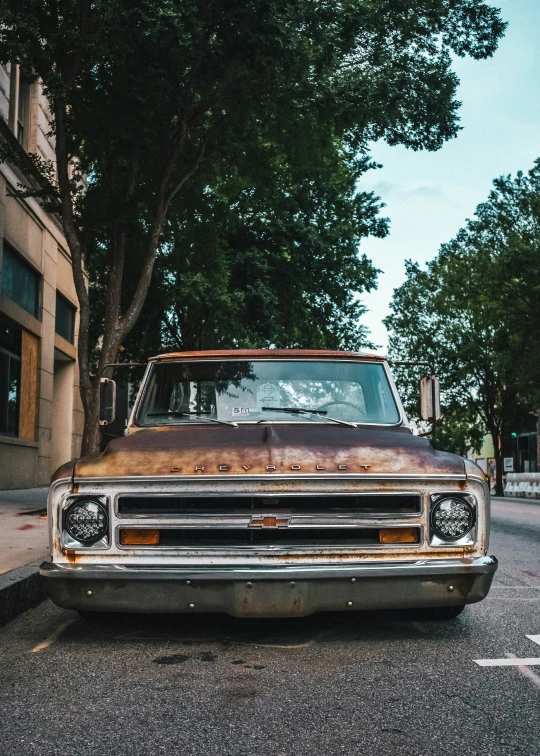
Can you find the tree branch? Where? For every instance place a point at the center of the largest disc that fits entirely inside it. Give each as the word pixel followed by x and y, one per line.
pixel 162 201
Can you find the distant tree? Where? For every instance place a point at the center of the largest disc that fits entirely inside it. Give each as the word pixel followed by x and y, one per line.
pixel 459 432
pixel 506 235
pixel 146 93
pixel 474 312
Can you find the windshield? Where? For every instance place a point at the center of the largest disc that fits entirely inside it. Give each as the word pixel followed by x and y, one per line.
pixel 267 390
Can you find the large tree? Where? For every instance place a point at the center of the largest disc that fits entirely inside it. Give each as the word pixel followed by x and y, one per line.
pixel 265 260
pixel 146 93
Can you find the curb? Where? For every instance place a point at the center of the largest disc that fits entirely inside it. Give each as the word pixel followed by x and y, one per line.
pixel 20 589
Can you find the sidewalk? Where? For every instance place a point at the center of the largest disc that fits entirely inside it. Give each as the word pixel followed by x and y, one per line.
pixel 23 527
pixel 24 543
pixel 515 499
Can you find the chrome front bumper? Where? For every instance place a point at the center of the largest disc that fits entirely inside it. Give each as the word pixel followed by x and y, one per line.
pixel 280 591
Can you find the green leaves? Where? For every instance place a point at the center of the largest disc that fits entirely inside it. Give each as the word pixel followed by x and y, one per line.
pixel 474 312
pixel 255 116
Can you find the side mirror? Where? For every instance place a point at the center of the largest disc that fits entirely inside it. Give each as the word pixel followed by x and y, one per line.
pixel 430 405
pixel 107 401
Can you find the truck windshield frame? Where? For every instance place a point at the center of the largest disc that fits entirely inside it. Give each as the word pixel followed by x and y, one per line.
pixel 190 392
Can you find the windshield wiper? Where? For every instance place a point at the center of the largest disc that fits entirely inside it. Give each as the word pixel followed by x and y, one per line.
pixel 200 416
pixel 302 411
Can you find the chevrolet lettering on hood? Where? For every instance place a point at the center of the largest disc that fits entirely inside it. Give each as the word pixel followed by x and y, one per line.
pixel 269 468
pixel 269 483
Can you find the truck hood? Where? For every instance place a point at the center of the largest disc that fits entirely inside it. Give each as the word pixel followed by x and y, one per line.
pixel 266 449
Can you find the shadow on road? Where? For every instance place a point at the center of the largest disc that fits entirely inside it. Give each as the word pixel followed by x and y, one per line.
pixel 198 630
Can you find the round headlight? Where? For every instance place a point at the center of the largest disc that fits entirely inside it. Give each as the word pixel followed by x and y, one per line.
pixel 451 519
pixel 87 521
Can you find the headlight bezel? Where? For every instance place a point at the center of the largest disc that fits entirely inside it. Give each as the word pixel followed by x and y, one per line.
pixel 437 538
pixel 102 541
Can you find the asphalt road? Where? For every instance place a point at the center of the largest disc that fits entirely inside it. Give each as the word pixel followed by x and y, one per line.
pixel 365 684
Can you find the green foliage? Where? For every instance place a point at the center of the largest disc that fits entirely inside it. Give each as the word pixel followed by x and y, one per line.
pixel 459 432
pixel 253 262
pixel 134 73
pixel 506 236
pixel 149 94
pixel 474 312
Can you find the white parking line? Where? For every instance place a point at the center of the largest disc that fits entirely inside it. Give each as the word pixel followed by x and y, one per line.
pixel 513 662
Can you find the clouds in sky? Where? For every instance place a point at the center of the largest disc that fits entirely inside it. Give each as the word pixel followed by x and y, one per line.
pixel 429 196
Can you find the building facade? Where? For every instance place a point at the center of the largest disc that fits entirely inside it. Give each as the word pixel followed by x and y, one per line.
pixel 41 416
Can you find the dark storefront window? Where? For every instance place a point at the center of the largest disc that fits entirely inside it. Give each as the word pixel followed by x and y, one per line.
pixel 65 318
pixel 10 376
pixel 20 282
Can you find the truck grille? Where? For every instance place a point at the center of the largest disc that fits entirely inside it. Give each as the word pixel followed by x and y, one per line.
pixel 300 537
pixel 374 505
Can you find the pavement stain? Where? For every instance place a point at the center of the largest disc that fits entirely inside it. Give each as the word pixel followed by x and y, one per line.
pixel 207 656
pixel 173 659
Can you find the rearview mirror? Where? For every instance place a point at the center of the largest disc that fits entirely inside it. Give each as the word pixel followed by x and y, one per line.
pixel 430 406
pixel 107 403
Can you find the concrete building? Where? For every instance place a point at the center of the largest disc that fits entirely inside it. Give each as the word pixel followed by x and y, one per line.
pixel 41 416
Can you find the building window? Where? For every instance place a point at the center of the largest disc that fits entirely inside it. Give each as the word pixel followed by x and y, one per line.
pixel 23 110
pixel 65 318
pixel 19 105
pixel 20 282
pixel 10 376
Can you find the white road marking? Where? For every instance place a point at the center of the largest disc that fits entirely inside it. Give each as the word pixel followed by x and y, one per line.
pixel 52 637
pixel 513 662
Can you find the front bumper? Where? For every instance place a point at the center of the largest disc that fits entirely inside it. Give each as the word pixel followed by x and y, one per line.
pixel 280 591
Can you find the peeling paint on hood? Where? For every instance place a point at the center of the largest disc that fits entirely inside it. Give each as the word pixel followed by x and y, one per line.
pixel 266 449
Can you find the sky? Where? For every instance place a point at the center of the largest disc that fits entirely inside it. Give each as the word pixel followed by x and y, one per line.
pixel 429 195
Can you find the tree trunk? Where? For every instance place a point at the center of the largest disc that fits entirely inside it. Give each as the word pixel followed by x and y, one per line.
pixel 91 433
pixel 497 446
pixel 116 326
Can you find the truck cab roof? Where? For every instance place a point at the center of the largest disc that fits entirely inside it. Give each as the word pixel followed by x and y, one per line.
pixel 245 354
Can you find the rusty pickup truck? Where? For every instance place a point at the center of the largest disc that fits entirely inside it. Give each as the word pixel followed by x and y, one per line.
pixel 269 483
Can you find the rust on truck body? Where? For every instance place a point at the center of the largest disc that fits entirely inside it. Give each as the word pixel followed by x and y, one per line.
pixel 268 354
pixel 294 449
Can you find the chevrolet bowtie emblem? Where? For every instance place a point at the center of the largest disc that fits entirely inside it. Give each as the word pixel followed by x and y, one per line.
pixel 269 521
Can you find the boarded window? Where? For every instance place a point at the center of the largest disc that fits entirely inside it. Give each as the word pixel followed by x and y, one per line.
pixel 20 282
pixel 65 318
pixel 29 370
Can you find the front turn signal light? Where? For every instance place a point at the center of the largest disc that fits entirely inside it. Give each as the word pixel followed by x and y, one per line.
pixel 139 537
pixel 398 535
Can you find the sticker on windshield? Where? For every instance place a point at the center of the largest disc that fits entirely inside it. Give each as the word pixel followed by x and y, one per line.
pixel 268 395
pixel 240 410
